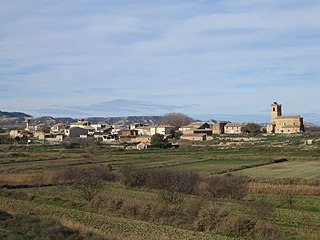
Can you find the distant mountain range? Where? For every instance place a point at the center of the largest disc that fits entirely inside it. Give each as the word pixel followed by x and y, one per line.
pixel 18 118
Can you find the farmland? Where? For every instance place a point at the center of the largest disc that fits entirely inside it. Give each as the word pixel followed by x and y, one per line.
pixel 283 174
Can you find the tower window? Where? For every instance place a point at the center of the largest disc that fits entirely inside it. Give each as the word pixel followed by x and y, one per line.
pixel 274 109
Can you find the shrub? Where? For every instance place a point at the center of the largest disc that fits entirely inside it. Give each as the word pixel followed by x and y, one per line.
pixel 171 197
pixel 182 181
pixel 134 177
pixel 87 181
pixel 237 225
pixel 29 227
pixel 159 140
pixel 228 186
pixel 209 217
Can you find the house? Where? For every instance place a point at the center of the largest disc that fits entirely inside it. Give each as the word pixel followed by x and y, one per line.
pixel 234 128
pixel 161 129
pixel 207 131
pixel 194 137
pixel 137 125
pixel 59 128
pixel 284 124
pixel 77 131
pixel 48 137
pixel 143 139
pixel 80 123
pixel 17 134
pixel 218 127
pixel 103 137
pixel 100 127
pixel 116 129
pixel 190 128
pixel 152 130
pixel 129 132
pixel 143 131
pixel 142 146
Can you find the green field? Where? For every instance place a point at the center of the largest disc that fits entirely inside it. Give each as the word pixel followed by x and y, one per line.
pixel 119 212
pixel 291 169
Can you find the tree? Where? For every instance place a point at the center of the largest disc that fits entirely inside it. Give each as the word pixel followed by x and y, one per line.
pixel 159 140
pixel 176 119
pixel 87 182
pixel 45 129
pixel 176 134
pixel 251 128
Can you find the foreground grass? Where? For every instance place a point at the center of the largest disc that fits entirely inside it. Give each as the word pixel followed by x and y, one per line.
pixel 108 226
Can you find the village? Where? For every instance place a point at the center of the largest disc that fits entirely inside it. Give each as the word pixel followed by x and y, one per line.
pixel 139 135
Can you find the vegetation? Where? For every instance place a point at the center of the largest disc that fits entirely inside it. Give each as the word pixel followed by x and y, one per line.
pixel 176 119
pixel 28 227
pixel 251 128
pixel 87 182
pixel 159 140
pixel 267 187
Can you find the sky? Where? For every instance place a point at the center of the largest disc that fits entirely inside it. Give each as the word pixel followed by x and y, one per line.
pixel 218 59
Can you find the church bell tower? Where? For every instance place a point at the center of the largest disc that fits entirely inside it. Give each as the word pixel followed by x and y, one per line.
pixel 275 110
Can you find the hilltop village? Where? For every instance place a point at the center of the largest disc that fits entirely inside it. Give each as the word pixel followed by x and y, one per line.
pixel 139 135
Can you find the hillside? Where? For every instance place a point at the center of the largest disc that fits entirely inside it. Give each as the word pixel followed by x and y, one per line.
pixel 17 118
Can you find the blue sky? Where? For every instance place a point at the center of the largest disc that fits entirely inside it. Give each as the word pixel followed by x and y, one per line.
pixel 219 59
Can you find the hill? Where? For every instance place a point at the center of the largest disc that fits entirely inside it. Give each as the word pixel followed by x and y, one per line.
pixel 18 118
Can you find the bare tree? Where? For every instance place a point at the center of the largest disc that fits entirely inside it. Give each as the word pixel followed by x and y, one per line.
pixel 176 119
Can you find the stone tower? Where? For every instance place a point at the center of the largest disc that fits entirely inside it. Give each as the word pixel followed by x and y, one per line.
pixel 275 111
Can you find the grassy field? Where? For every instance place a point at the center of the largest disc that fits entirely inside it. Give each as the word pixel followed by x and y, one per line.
pixel 291 169
pixel 118 212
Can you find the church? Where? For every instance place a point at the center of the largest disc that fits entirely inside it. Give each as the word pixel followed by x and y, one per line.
pixel 284 124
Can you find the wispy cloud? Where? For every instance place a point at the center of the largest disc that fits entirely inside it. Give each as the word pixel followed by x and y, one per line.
pixel 117 107
pixel 213 54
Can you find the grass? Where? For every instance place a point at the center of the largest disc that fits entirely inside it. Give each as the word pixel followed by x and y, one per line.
pixel 108 226
pixel 290 169
pixel 22 164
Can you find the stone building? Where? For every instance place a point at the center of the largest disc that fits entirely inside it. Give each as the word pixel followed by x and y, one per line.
pixel 234 128
pixel 284 124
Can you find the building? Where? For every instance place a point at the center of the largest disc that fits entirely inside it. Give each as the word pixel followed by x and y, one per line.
pixel 234 128
pixel 129 132
pixel 218 127
pixel 78 131
pixel 81 123
pixel 59 128
pixel 161 129
pixel 193 127
pixel 194 137
pixel 284 124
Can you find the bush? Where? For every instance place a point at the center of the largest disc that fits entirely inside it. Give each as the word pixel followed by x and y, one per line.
pixel 87 181
pixel 182 181
pixel 171 197
pixel 29 227
pixel 134 177
pixel 159 140
pixel 209 217
pixel 237 225
pixel 228 186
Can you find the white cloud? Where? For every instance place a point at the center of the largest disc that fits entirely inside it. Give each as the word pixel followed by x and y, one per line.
pixel 191 52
